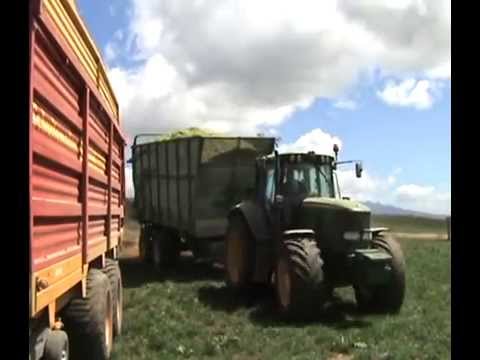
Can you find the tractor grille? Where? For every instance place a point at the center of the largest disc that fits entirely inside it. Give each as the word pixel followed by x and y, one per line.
pixel 331 223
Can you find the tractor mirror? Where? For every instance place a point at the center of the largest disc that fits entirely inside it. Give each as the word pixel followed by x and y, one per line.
pixel 358 169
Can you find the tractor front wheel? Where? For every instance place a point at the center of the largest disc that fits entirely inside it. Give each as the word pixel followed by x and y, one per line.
pixel 385 298
pixel 299 279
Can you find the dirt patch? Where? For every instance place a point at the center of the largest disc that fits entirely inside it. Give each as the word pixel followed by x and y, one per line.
pixel 340 356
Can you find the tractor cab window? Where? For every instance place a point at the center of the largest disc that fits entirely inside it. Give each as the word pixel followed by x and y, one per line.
pixel 270 188
pixel 336 186
pixel 307 180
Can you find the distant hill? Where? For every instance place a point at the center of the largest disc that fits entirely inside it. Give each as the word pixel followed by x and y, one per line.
pixel 382 209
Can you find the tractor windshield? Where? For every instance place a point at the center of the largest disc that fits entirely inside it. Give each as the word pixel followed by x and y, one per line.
pixel 307 179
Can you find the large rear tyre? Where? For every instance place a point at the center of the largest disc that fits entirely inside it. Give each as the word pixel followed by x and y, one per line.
pixel 165 248
pixel 299 279
pixel 56 346
pixel 239 254
pixel 89 320
pixel 385 298
pixel 112 270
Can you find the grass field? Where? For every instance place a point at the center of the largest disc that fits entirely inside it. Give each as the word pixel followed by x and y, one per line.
pixel 411 224
pixel 189 313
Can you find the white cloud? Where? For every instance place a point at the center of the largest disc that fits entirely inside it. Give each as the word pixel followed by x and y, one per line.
pixel 345 104
pixel 408 196
pixel 129 190
pixel 423 198
pixel 110 52
pixel 410 92
pixel 316 140
pixel 367 187
pixel 247 66
pixel 442 71
pixel 371 187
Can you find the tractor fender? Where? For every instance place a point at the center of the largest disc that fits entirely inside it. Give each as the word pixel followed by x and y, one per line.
pixel 255 217
pixel 258 224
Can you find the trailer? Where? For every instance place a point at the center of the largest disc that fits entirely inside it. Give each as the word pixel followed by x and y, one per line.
pixel 185 187
pixel 77 190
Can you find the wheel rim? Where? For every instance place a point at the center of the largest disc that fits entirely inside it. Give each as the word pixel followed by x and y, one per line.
pixel 119 308
pixel 108 325
pixel 283 283
pixel 235 258
pixel 64 354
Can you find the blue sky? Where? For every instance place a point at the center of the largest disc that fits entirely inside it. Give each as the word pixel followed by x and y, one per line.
pixel 361 73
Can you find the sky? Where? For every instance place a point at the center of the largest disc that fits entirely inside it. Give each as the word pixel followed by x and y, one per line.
pixel 372 76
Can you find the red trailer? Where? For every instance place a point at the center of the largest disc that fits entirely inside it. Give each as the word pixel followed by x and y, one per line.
pixel 77 189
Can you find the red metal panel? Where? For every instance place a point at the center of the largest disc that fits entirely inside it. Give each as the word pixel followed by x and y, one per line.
pixel 76 200
pixel 109 169
pixel 96 228
pixel 55 240
pixel 47 23
pixel 98 177
pixel 52 78
pixel 85 174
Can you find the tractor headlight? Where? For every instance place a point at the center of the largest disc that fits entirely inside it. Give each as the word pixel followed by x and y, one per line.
pixel 357 236
pixel 351 235
pixel 367 236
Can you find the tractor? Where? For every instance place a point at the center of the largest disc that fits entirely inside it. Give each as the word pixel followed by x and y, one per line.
pixel 296 232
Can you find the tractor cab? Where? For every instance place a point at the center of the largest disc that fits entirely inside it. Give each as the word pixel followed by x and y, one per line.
pixel 287 181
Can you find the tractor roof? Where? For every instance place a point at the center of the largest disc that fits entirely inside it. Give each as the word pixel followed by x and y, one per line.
pixel 298 156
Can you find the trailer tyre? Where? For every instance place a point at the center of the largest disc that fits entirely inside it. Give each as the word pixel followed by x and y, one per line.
pixel 56 346
pixel 239 255
pixel 112 270
pixel 145 244
pixel 299 279
pixel 89 320
pixel 387 298
pixel 165 248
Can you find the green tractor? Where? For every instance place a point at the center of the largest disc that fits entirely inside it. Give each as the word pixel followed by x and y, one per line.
pixel 298 234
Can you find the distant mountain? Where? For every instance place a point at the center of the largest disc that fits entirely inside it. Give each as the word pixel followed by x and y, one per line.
pixel 383 209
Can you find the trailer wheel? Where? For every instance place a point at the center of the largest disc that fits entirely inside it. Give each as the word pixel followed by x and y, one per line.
pixel 56 346
pixel 145 244
pixel 386 298
pixel 299 280
pixel 239 254
pixel 165 248
pixel 89 320
pixel 112 270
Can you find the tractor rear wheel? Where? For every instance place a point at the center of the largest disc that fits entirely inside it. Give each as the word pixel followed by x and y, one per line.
pixel 385 298
pixel 299 279
pixel 239 254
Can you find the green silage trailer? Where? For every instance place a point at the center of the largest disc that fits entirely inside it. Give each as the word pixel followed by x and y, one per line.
pixel 185 187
